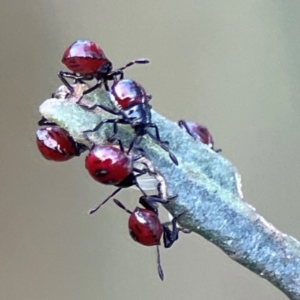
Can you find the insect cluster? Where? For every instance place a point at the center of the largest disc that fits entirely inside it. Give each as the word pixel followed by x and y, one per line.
pixel 111 163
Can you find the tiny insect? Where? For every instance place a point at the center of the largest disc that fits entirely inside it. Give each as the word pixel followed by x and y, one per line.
pixel 87 61
pixel 131 104
pixel 56 144
pixel 199 132
pixel 110 165
pixel 146 229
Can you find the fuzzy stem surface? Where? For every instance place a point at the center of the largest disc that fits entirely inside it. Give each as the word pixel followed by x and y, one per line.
pixel 208 188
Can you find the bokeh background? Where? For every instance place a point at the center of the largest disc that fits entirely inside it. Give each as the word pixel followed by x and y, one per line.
pixel 232 65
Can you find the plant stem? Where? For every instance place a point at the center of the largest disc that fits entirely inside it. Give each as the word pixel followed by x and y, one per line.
pixel 208 189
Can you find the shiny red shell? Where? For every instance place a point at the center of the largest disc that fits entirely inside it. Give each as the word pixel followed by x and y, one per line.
pixel 128 93
pixel 145 227
pixel 108 164
pixel 84 57
pixel 199 133
pixel 55 143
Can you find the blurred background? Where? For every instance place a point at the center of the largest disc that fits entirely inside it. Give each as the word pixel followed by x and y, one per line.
pixel 231 65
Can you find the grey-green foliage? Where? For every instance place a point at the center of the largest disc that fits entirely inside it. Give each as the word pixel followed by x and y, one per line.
pixel 208 189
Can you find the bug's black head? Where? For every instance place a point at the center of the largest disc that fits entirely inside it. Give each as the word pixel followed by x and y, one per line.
pixel 106 68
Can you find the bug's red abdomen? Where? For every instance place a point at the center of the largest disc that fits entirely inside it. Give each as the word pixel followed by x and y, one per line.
pixel 145 227
pixel 55 143
pixel 128 92
pixel 84 57
pixel 108 164
pixel 199 133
